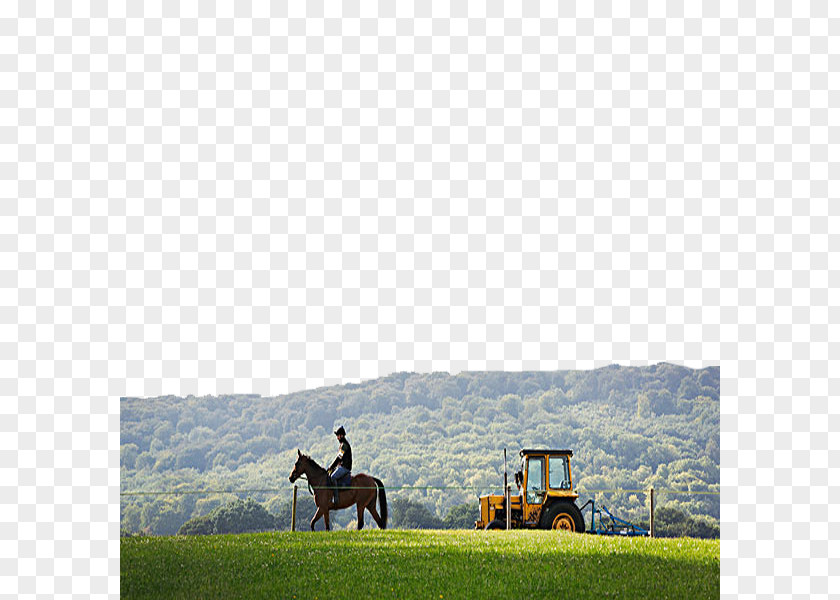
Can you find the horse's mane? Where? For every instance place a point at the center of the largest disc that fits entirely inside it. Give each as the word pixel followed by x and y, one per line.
pixel 313 463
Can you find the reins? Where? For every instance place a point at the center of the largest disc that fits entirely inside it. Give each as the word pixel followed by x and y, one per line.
pixel 305 477
pixel 308 485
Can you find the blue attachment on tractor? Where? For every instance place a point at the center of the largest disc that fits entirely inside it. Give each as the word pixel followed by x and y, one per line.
pixel 609 524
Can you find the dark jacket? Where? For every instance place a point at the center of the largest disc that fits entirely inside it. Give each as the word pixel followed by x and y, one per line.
pixel 344 458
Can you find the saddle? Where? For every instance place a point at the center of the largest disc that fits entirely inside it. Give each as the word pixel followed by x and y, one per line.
pixel 341 483
pixel 344 481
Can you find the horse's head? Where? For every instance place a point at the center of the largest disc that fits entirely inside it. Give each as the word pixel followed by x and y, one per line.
pixel 298 470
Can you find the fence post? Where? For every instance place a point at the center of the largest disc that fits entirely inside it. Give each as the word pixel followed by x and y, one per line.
pixel 294 507
pixel 651 512
pixel 507 506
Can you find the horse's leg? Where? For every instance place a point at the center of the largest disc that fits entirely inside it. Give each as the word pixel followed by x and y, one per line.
pixel 372 510
pixel 314 520
pixel 360 509
pixel 327 519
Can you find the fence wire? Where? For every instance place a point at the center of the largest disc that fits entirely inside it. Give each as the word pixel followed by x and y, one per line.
pixel 403 487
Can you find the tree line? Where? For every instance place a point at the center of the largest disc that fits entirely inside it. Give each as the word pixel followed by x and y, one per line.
pixel 629 427
pixel 249 516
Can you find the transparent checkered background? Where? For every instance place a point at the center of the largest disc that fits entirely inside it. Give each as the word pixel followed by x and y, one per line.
pixel 253 197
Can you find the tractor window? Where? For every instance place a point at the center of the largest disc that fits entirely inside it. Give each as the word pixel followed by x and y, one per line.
pixel 536 484
pixel 558 473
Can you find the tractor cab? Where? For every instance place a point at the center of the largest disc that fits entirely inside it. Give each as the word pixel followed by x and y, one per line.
pixel 547 478
pixel 546 498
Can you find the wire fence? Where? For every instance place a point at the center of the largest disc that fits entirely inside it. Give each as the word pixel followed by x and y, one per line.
pixel 647 490
pixel 289 489
pixel 403 487
pixel 638 508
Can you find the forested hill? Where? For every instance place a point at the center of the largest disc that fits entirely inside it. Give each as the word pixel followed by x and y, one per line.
pixel 629 427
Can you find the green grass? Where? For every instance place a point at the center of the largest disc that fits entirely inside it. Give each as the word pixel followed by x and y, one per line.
pixel 418 564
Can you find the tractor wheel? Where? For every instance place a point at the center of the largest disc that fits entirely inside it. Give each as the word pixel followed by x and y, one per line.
pixel 495 524
pixel 563 515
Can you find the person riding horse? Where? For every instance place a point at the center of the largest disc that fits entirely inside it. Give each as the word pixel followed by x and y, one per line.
pixel 343 463
pixel 363 493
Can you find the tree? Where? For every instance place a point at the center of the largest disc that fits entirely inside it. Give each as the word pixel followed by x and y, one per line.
pixel 673 522
pixel 662 402
pixel 281 508
pixel 644 408
pixel 194 457
pixel 406 514
pixel 145 461
pixel 552 400
pixel 165 461
pixel 709 378
pixel 239 516
pixel 198 526
pixel 416 391
pixel 164 431
pixel 511 404
pixel 689 389
pixel 713 449
pixel 461 516
pixel 585 389
pixel 128 455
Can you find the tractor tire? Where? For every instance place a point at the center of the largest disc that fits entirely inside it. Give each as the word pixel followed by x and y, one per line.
pixel 563 515
pixel 495 524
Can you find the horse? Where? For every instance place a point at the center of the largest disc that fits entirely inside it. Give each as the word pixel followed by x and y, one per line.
pixel 362 493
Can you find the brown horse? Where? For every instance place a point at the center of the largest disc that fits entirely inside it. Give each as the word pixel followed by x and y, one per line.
pixel 362 493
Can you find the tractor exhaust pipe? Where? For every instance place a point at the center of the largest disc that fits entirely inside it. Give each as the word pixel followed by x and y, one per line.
pixel 507 495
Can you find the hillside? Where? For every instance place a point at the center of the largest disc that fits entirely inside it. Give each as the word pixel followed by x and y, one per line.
pixel 630 428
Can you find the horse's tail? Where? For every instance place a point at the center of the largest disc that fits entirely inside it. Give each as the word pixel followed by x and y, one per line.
pixel 383 503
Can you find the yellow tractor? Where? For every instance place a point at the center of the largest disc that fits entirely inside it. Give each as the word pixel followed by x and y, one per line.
pixel 545 498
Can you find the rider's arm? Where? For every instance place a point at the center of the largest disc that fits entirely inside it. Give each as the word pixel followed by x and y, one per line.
pixel 337 460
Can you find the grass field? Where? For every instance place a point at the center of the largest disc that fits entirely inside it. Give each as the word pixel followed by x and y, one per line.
pixel 418 564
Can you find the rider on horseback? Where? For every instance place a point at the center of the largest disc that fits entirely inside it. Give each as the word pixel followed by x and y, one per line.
pixel 343 463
